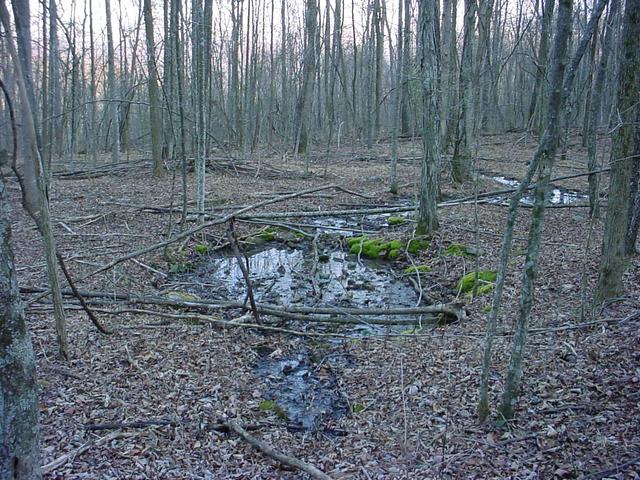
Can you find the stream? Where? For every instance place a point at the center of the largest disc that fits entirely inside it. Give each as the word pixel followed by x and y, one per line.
pixel 302 385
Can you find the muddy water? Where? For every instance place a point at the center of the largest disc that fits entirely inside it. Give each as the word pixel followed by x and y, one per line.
pixel 287 276
pixel 304 391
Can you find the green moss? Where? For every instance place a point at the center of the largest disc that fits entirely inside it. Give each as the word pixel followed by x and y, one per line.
pixel 373 248
pixel 456 250
pixel 460 250
pixel 391 221
pixel 272 406
pixel 395 245
pixel 267 405
pixel 417 269
pixel 393 254
pixel 358 408
pixel 417 245
pixel 487 308
pixel 485 282
pixel 201 249
pixel 268 235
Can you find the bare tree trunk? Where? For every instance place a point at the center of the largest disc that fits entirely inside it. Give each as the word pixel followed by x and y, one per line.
pixel 595 107
pixel 634 197
pixel 430 71
pixel 308 67
pixel 33 179
pixel 155 119
pixel 406 57
pixel 111 88
pixel 393 188
pixel 535 106
pixel 19 450
pixel 614 259
pixel 461 161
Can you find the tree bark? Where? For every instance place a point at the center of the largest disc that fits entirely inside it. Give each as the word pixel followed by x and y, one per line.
pixel 614 259
pixel 634 198
pixel 19 450
pixel 155 119
pixel 430 71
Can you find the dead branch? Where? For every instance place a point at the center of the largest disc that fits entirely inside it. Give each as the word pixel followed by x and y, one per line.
pixel 244 268
pixel 79 296
pixel 455 310
pixel 161 422
pixel 276 455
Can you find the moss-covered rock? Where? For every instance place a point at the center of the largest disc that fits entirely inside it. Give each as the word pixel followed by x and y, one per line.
pixel 392 221
pixel 374 248
pixel 417 269
pixel 485 282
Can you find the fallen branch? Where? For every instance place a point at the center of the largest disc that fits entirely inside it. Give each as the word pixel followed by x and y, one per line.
pixel 162 422
pixel 276 455
pixel 243 264
pixel 451 309
pixel 79 296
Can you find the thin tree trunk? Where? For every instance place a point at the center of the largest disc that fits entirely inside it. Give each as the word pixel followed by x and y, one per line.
pixel 111 88
pixel 36 202
pixel 595 107
pixel 542 158
pixel 155 119
pixel 393 187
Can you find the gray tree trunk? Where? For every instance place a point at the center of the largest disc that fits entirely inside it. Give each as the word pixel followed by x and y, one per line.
pixel 634 203
pixel 461 161
pixel 19 450
pixel 430 72
pixel 614 259
pixel 308 67
pixel 155 119
pixel 111 88
pixel 595 107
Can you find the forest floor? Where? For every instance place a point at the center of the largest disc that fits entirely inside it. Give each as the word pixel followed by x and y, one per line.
pixel 406 401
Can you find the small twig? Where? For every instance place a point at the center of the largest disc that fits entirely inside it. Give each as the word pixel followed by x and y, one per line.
pixel 276 455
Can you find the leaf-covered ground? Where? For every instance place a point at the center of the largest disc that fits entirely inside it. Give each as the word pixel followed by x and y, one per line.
pixel 411 398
